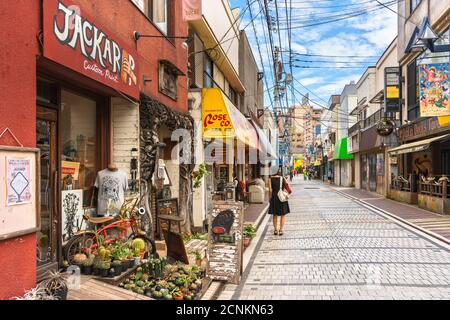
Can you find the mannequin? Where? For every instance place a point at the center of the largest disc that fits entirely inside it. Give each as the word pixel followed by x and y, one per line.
pixel 112 167
pixel 111 184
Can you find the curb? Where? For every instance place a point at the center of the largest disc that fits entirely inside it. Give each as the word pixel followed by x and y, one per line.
pixel 395 217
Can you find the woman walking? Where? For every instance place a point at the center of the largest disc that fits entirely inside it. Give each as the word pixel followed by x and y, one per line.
pixel 278 208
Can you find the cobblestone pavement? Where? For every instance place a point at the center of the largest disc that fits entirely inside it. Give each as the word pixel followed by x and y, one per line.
pixel 333 248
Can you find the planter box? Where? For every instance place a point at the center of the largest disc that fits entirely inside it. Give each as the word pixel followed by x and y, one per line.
pixel 434 204
pixel 403 196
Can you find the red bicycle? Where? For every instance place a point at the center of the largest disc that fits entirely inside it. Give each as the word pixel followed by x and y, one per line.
pixel 126 226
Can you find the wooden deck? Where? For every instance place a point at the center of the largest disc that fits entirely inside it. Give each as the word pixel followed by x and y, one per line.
pixel 92 289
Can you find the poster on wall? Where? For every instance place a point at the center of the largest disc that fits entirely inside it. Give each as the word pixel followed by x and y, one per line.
pixel 71 212
pixel 421 163
pixel 225 241
pixel 434 86
pixel 18 172
pixel 380 164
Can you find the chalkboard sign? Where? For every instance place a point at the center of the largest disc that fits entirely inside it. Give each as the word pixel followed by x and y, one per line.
pixel 225 241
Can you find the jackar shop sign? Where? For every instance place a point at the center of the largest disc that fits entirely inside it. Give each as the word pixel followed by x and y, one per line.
pixel 77 41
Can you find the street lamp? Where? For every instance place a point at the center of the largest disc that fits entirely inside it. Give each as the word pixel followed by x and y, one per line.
pixel 424 38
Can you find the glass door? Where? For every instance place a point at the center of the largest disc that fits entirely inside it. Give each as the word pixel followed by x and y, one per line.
pixel 46 141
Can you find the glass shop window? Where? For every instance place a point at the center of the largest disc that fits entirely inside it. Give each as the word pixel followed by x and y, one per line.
pixel 78 144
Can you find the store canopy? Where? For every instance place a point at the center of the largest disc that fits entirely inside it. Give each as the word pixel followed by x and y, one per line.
pixel 416 146
pixel 340 150
pixel 222 120
pixel 264 145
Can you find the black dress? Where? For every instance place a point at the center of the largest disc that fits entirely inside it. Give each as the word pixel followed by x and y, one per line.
pixel 276 206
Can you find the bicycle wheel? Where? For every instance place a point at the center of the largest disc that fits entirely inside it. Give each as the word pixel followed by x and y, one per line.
pixel 150 246
pixel 78 244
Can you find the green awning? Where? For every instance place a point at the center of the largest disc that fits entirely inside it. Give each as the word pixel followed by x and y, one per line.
pixel 340 150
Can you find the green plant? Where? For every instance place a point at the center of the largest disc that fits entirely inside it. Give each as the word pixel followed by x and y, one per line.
pixel 105 265
pixel 197 254
pixel 54 281
pixel 89 262
pixel 249 231
pixel 138 245
pixel 199 174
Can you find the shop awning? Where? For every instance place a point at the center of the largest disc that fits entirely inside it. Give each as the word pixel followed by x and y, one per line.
pixel 264 145
pixel 340 150
pixel 416 146
pixel 222 120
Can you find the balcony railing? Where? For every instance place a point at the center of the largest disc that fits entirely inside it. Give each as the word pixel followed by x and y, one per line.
pixel 366 123
pixel 355 128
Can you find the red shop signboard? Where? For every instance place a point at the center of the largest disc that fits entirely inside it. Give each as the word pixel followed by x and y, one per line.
pixel 77 41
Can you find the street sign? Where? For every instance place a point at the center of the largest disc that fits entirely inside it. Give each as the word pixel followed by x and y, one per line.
pixel 392 89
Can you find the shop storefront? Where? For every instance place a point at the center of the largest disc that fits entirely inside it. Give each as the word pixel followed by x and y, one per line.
pixel 343 164
pixel 78 80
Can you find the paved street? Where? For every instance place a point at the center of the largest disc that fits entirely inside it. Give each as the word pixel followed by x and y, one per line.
pixel 333 248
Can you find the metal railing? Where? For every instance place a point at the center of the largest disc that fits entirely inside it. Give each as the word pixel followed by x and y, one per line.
pixel 373 119
pixel 401 184
pixel 434 186
pixel 355 128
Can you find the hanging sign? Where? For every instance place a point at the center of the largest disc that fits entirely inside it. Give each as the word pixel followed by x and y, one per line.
pixel 192 10
pixel 385 127
pixel 392 99
pixel 79 42
pixel 434 86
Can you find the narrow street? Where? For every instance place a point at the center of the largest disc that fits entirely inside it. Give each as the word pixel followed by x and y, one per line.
pixel 334 248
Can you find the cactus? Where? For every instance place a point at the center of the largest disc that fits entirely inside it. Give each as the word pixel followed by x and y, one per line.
pixel 138 245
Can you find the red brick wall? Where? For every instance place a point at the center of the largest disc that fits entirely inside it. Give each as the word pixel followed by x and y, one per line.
pixel 18 49
pixel 122 17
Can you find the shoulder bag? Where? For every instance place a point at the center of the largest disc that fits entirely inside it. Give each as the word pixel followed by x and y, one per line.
pixel 283 195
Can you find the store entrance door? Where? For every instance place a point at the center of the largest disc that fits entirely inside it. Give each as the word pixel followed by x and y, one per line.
pixel 47 237
pixel 373 172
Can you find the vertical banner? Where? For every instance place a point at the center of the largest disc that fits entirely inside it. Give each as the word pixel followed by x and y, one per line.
pixel 192 10
pixel 434 88
pixel 392 89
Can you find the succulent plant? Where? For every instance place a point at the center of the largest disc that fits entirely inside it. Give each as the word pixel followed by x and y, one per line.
pixel 138 245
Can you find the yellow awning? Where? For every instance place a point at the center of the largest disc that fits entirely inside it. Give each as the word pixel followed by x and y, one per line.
pixel 222 120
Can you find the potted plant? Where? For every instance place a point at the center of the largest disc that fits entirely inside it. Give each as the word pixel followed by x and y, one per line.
pixel 177 295
pixel 104 268
pixel 138 246
pixel 117 265
pixel 56 285
pixel 97 265
pixel 79 259
pixel 198 257
pixel 88 265
pixel 249 233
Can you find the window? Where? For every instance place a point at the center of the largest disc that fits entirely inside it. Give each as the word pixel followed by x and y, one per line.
pixel 79 140
pixel 414 4
pixel 413 91
pixel 158 11
pixel 168 79
pixel 208 80
pixel 232 95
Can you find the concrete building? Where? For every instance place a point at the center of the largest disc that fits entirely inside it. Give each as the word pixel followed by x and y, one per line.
pixel 424 146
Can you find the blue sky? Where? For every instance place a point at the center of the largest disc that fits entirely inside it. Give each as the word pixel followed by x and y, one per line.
pixel 366 34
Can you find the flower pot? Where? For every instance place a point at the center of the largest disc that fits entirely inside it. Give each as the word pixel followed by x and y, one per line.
pixel 177 297
pixel 130 263
pixel 104 272
pixel 96 271
pixel 198 262
pixel 117 271
pixel 246 242
pixel 61 293
pixel 87 270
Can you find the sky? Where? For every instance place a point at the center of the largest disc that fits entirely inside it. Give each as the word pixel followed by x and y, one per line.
pixel 366 36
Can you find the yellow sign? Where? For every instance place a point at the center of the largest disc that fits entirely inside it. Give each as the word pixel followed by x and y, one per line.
pixel 215 118
pixel 69 167
pixel 392 92
pixel 221 119
pixel 444 121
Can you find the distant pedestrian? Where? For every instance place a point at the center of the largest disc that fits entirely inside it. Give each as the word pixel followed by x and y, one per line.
pixel 278 207
pixel 305 174
pixel 291 175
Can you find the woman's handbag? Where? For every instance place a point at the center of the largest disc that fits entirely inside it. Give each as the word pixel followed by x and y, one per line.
pixel 283 195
